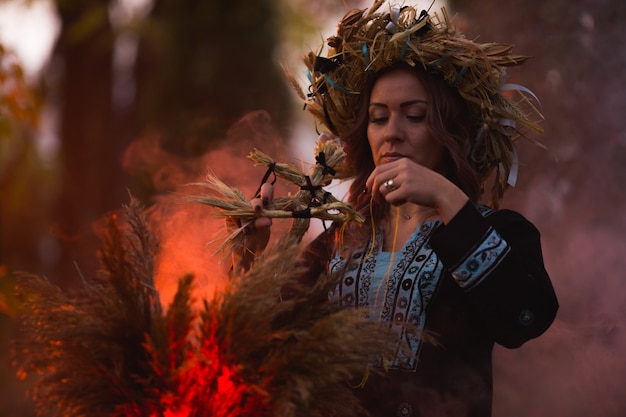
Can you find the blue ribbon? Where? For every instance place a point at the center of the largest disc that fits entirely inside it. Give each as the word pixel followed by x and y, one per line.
pixel 405 46
pixel 459 76
pixel 337 86
pixel 366 55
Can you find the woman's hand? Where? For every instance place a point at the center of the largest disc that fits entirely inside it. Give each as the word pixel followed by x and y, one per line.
pixel 404 181
pixel 256 232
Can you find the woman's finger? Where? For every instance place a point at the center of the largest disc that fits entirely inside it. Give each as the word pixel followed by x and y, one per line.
pixel 257 204
pixel 267 194
pixel 262 222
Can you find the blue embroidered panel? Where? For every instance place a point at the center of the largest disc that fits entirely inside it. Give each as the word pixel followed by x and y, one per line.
pixel 396 293
pixel 485 257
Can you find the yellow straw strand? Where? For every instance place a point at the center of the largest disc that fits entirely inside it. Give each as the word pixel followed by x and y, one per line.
pixel 363 380
pixel 385 278
pixel 373 226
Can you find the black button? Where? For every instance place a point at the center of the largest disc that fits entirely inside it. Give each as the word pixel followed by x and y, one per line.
pixel 526 317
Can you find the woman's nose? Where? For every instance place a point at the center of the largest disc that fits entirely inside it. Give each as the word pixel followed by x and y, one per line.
pixel 392 131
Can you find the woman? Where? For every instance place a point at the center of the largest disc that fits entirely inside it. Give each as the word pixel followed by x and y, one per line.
pixel 467 275
pixel 421 114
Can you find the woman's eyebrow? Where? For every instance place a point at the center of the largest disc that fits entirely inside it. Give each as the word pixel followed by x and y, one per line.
pixel 405 104
pixel 410 103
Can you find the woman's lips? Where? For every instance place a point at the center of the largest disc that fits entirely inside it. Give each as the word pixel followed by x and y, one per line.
pixel 391 156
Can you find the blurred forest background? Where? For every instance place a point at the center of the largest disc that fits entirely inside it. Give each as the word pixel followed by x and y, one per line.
pixel 143 99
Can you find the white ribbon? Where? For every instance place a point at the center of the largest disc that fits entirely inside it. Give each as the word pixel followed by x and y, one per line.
pixel 509 127
pixel 512 179
pixel 517 87
pixel 392 26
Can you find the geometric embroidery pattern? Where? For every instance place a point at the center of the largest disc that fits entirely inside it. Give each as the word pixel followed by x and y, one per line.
pixel 487 255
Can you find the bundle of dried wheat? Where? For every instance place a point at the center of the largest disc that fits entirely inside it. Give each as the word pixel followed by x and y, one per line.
pixel 312 201
pixel 110 350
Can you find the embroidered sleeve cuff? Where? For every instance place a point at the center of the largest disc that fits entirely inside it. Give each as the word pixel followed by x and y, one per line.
pixel 469 247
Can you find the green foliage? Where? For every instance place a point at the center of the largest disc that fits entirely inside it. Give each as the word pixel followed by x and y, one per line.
pixel 9 302
pixel 17 99
pixel 19 106
pixel 91 21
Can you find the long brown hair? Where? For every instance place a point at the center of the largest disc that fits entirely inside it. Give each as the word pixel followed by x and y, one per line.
pixel 449 122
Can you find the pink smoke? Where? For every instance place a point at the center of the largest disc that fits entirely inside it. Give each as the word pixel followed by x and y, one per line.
pixel 186 230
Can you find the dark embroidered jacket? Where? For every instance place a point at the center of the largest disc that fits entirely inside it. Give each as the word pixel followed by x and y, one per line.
pixel 476 281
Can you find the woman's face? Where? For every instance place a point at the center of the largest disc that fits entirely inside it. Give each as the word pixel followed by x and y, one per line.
pixel 397 124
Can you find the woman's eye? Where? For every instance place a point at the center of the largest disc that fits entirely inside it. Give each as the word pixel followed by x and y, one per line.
pixel 378 120
pixel 416 117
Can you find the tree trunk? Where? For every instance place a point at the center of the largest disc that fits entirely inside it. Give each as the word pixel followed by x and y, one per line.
pixel 92 180
pixel 202 65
